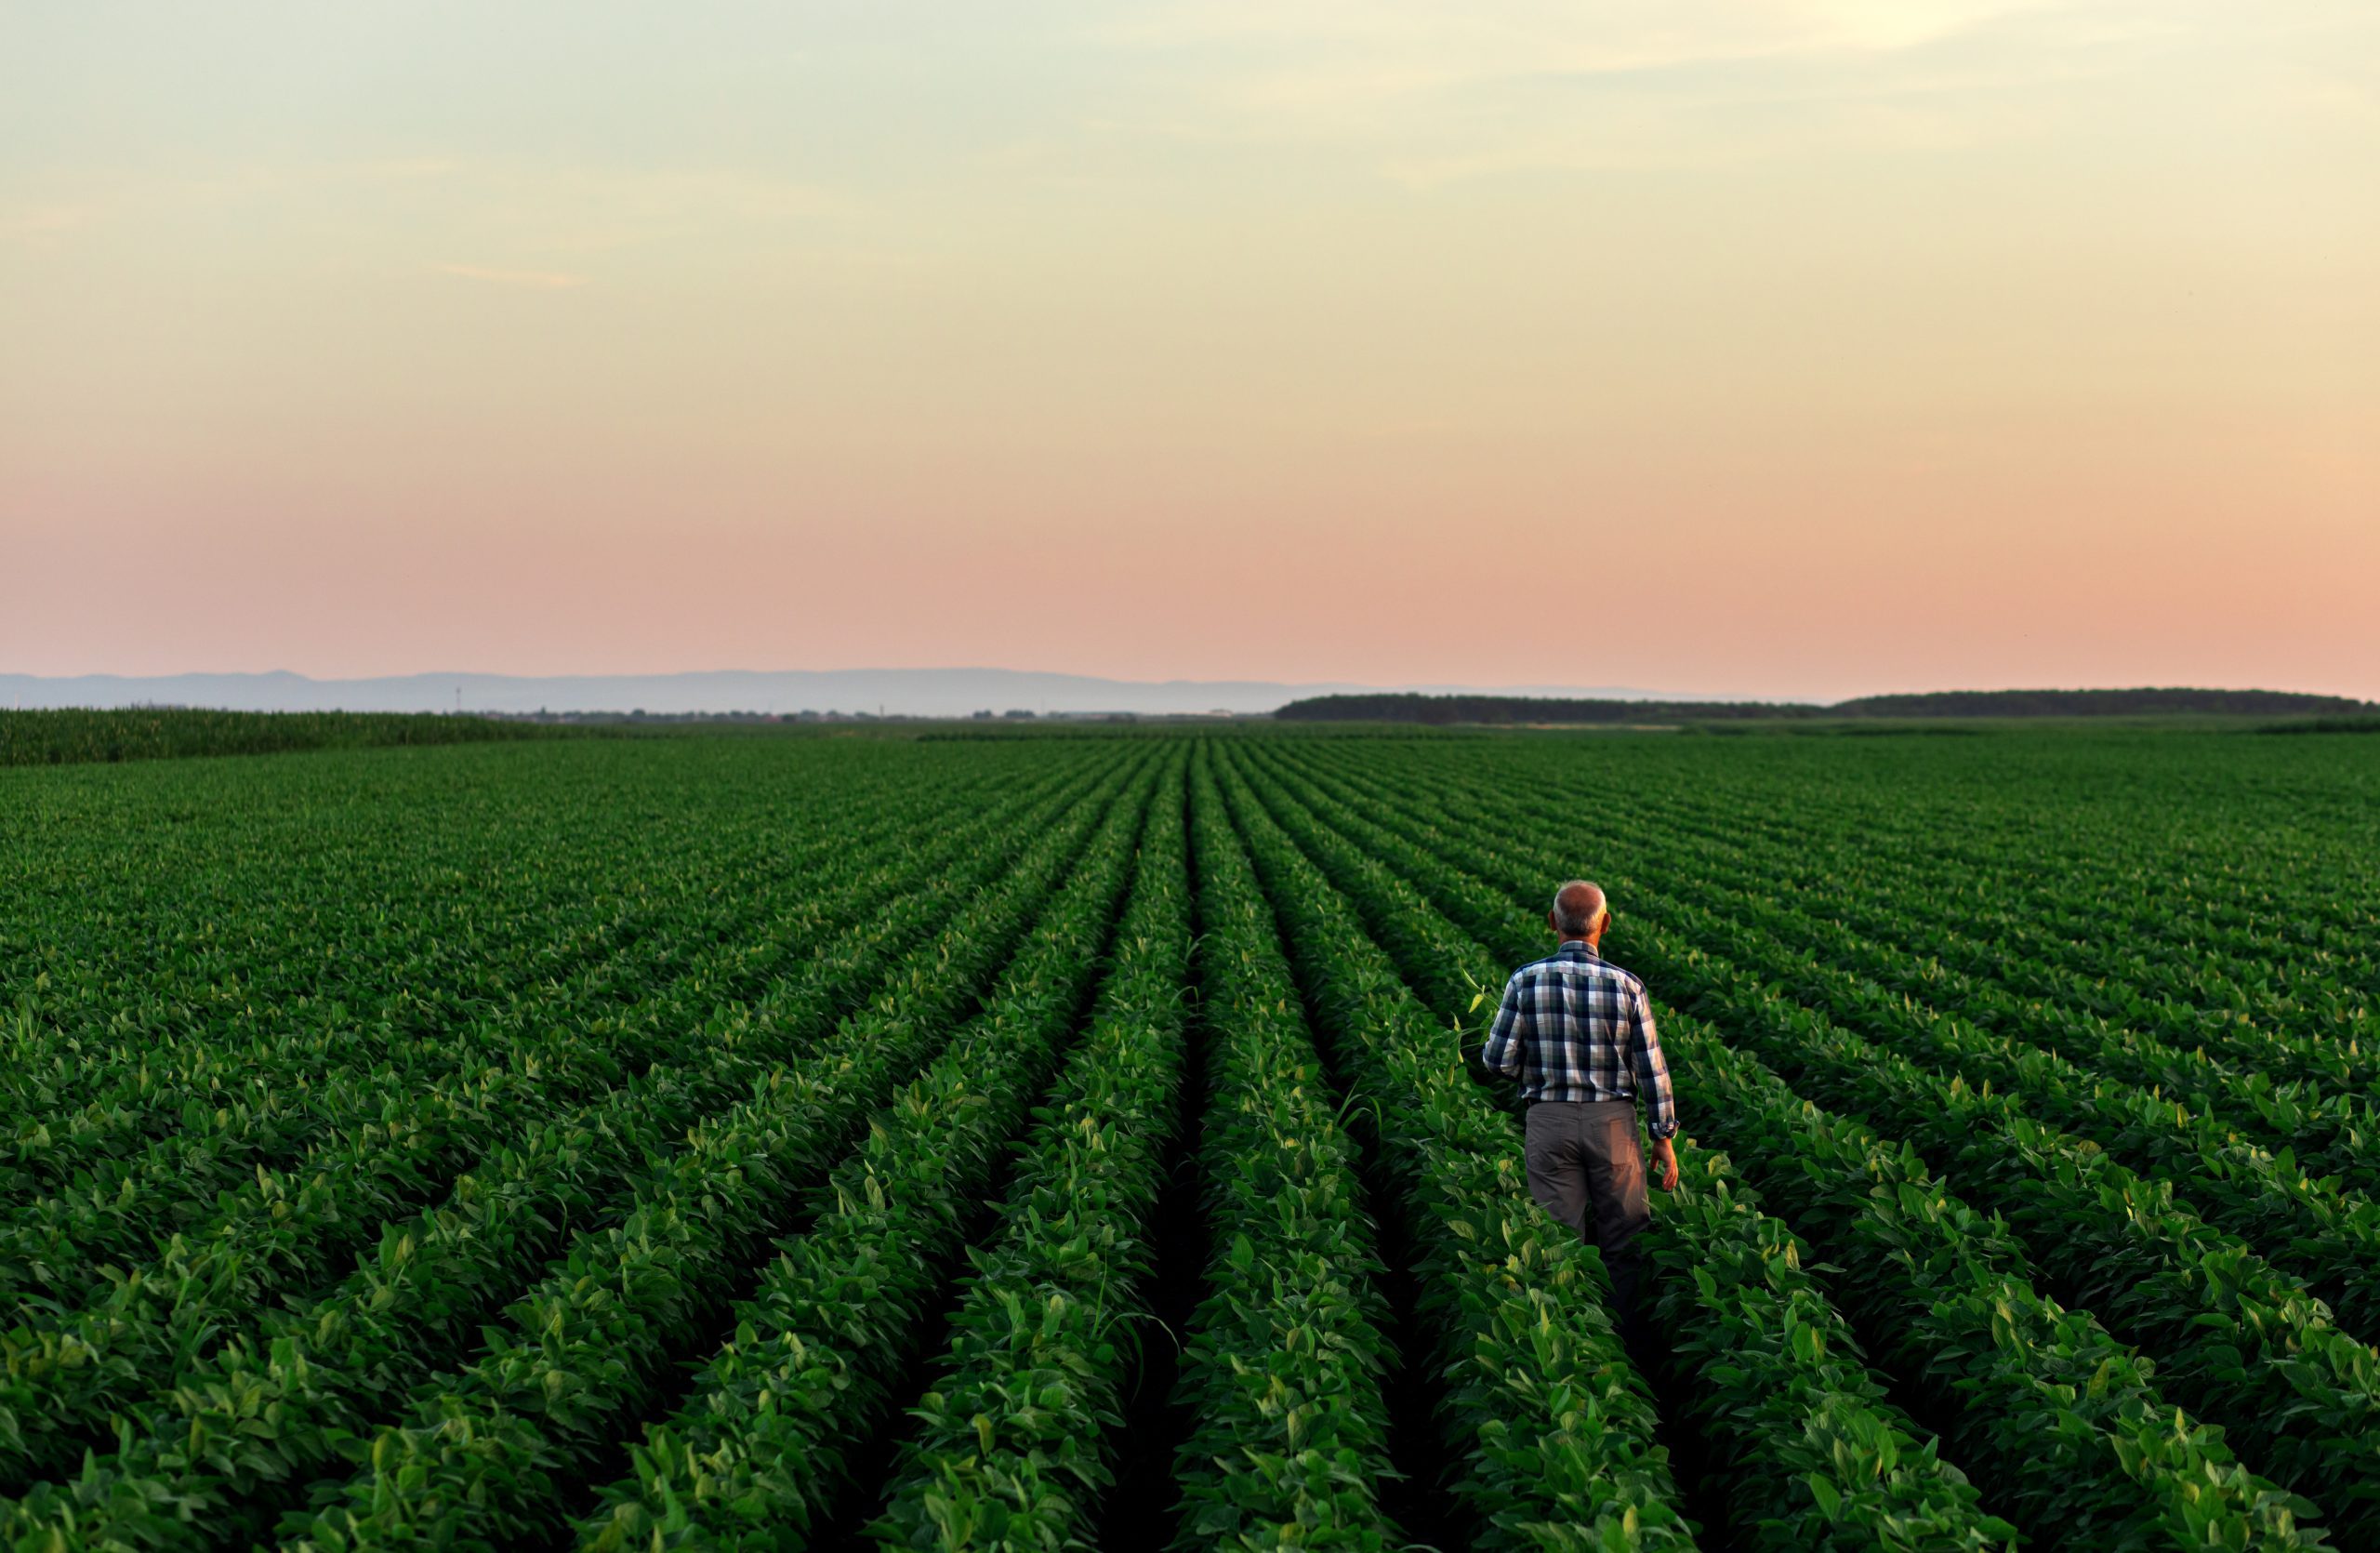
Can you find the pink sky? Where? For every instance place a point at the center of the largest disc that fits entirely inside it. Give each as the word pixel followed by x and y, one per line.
pixel 1834 348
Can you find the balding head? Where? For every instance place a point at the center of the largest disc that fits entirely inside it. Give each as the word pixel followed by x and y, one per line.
pixel 1578 909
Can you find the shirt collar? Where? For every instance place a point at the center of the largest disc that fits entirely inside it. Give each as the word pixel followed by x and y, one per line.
pixel 1576 948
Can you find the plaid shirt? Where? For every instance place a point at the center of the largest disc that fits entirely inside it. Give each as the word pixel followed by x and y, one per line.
pixel 1575 1026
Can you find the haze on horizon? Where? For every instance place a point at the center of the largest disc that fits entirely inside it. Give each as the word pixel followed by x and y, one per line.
pixel 1775 348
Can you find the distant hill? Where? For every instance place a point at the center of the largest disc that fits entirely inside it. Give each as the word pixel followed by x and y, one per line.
pixel 1522 710
pixel 892 692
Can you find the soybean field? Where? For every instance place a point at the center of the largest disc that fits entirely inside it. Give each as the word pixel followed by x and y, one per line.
pixel 1063 1142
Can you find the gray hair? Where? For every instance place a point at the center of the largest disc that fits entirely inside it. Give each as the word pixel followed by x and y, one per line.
pixel 1576 906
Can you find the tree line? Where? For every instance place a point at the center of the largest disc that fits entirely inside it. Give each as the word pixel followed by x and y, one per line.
pixel 1525 709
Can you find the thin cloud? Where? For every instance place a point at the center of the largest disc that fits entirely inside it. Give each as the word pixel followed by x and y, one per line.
pixel 1353 69
pixel 543 280
pixel 414 166
pixel 45 222
pixel 1415 42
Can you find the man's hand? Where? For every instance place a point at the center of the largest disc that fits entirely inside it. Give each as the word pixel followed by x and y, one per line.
pixel 1665 1164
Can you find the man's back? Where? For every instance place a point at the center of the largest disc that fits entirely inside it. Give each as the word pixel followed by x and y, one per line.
pixel 1577 1033
pixel 1574 1027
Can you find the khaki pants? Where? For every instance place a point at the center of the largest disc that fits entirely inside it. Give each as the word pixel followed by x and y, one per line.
pixel 1586 1167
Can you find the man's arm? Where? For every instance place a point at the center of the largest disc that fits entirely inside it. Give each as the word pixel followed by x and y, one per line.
pixel 1499 1057
pixel 1653 1086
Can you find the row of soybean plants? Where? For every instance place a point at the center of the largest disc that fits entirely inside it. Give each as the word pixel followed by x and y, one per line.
pixel 2322 1237
pixel 2287 1089
pixel 2121 824
pixel 1446 880
pixel 2236 1341
pixel 397 978
pixel 508 1447
pixel 2288 1338
pixel 1010 1444
pixel 286 1187
pixel 189 915
pixel 282 1236
pixel 195 901
pixel 415 910
pixel 2262 838
pixel 75 1368
pixel 2000 1340
pixel 1547 1431
pixel 1017 1439
pixel 2145 945
pixel 2033 848
pixel 2200 1130
pixel 2062 968
pixel 1287 1444
pixel 2257 1157
pixel 1969 1351
pixel 214 1454
pixel 2322 1228
pixel 1017 1436
pixel 1800 1445
pixel 712 896
pixel 2080 945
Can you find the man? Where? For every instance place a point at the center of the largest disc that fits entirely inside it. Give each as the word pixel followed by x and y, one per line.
pixel 1577 1032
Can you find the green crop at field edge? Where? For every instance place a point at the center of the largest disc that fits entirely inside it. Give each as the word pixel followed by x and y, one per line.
pixel 75 736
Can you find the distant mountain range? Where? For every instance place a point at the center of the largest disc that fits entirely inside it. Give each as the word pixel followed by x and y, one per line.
pixel 892 692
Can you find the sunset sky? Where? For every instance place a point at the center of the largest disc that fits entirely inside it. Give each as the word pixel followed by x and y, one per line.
pixel 1708 346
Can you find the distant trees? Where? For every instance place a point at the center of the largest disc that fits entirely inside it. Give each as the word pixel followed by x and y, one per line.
pixel 2143 702
pixel 1525 709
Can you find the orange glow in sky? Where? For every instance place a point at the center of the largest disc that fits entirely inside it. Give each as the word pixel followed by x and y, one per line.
pixel 1779 349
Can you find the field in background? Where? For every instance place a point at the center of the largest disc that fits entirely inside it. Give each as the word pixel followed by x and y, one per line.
pixel 1062 1141
pixel 80 735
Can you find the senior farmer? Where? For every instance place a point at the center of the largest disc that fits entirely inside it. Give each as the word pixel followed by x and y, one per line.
pixel 1577 1032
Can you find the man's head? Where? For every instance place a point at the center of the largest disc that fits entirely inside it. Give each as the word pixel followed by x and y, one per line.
pixel 1578 911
